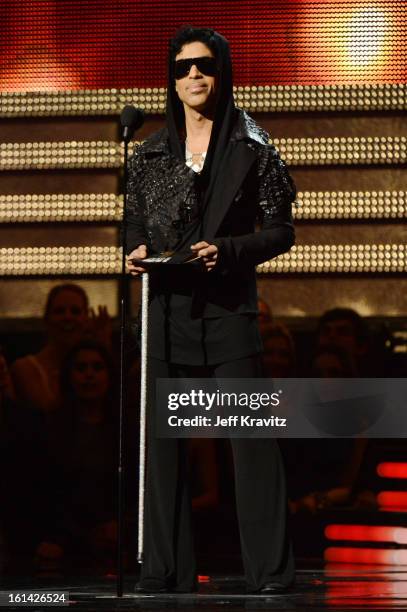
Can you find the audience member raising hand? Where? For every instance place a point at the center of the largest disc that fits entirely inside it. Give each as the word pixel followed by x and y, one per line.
pixel 67 321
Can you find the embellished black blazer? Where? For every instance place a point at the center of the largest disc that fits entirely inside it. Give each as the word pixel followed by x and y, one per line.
pixel 256 190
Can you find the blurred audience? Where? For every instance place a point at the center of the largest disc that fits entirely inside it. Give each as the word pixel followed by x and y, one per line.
pixel 68 319
pixel 82 440
pixel 346 330
pixel 332 464
pixel 279 357
pixel 60 434
pixel 264 316
pixel 6 414
pixel 7 393
pixel 332 362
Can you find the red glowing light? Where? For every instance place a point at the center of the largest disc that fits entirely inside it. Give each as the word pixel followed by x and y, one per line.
pixel 392 470
pixel 107 44
pixel 204 579
pixel 376 556
pixel 367 533
pixel 393 509
pixel 354 592
pixel 390 499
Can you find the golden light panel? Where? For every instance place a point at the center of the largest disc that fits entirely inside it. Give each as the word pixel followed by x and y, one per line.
pixel 50 261
pixel 57 207
pixel 351 205
pixel 302 259
pixel 65 103
pixel 364 39
pixel 368 32
pixel 107 207
pixel 343 151
pixel 65 155
pixel 296 151
pixel 262 98
pixel 339 258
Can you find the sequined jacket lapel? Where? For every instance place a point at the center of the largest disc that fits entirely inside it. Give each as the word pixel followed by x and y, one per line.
pixel 161 194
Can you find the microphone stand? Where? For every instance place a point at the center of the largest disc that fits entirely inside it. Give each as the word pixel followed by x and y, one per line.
pixel 130 120
pixel 123 312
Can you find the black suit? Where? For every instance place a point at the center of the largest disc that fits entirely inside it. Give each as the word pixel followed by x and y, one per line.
pixel 254 183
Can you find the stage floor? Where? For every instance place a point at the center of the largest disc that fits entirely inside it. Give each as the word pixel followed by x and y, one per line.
pixel 332 588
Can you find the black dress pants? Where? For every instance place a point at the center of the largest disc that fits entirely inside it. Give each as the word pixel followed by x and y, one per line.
pixel 169 559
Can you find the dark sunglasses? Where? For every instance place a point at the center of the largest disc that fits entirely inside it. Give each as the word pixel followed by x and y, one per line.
pixel 206 65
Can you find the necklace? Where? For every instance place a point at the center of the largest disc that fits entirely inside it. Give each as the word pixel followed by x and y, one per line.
pixel 194 160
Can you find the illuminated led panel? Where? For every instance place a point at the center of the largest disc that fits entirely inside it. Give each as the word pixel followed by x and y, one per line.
pixel 83 207
pixel 60 207
pixel 70 154
pixel 351 205
pixel 389 469
pixel 48 261
pixel 296 151
pixel 367 533
pixel 371 591
pixel 389 499
pixel 326 151
pixel 99 44
pixel 339 258
pixel 66 103
pixel 261 98
pixel 308 259
pixel 366 555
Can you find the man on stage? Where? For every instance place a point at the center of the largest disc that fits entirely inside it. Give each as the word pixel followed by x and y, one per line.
pixel 198 186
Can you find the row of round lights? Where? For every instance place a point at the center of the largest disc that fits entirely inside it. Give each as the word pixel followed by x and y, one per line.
pixel 70 154
pixel 321 97
pixel 60 207
pixel 339 258
pixel 108 206
pixel 343 150
pixel 59 260
pixel 296 151
pixel 346 258
pixel 260 98
pixel 351 205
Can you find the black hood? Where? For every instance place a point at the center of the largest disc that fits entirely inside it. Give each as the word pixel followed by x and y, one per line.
pixel 224 120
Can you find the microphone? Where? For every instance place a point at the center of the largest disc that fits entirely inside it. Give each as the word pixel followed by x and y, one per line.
pixel 131 119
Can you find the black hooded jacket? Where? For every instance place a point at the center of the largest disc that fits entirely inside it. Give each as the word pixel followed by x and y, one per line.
pixel 244 182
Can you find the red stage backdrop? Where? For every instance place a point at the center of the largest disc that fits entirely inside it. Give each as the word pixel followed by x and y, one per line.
pixel 92 44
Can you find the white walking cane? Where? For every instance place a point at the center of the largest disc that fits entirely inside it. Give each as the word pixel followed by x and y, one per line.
pixel 143 412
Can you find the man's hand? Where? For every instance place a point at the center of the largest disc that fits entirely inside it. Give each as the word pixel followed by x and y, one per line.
pixel 208 253
pixel 139 253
